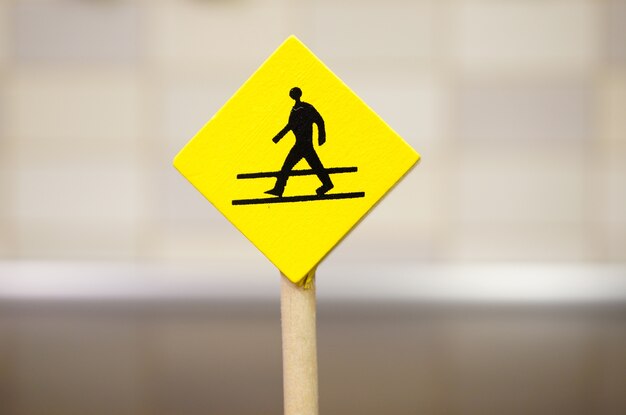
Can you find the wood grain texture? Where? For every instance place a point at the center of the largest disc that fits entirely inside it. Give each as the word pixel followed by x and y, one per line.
pixel 298 316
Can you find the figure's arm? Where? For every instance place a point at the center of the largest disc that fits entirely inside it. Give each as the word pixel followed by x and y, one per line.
pixel 282 133
pixel 321 130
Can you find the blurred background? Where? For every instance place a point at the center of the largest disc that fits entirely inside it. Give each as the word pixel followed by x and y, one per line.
pixel 492 280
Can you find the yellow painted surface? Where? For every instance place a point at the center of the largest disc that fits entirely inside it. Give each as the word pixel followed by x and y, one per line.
pixel 295 236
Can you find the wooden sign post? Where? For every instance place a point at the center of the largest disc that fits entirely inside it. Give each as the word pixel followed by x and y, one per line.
pixel 294 160
pixel 297 311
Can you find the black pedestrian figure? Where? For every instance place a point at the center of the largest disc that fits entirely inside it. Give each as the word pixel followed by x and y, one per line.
pixel 301 119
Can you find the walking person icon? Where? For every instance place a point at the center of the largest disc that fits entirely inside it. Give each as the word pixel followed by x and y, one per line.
pixel 301 119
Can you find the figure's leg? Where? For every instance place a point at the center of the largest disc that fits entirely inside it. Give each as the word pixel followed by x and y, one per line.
pixel 294 156
pixel 316 164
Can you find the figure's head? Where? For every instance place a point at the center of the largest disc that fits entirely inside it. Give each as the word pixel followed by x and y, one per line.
pixel 295 93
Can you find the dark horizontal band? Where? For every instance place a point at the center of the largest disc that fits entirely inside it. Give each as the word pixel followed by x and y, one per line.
pixel 307 172
pixel 291 199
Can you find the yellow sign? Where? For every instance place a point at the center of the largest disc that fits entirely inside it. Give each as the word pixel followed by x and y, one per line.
pixel 295 159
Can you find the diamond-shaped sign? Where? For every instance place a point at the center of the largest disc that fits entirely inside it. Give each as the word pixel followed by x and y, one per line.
pixel 295 159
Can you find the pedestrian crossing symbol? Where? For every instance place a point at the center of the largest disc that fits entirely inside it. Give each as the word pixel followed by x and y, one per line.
pixel 295 159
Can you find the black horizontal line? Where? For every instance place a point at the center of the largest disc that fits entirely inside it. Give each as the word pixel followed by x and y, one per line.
pixel 290 199
pixel 306 172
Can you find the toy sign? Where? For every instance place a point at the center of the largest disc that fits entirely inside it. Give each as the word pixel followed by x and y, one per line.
pixel 295 159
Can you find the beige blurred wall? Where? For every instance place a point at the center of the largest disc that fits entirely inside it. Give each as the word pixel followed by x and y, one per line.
pixel 518 108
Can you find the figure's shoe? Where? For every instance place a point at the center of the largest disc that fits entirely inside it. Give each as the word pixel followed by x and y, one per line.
pixel 275 192
pixel 324 189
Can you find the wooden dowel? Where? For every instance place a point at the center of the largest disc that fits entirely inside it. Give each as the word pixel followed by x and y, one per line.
pixel 297 307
